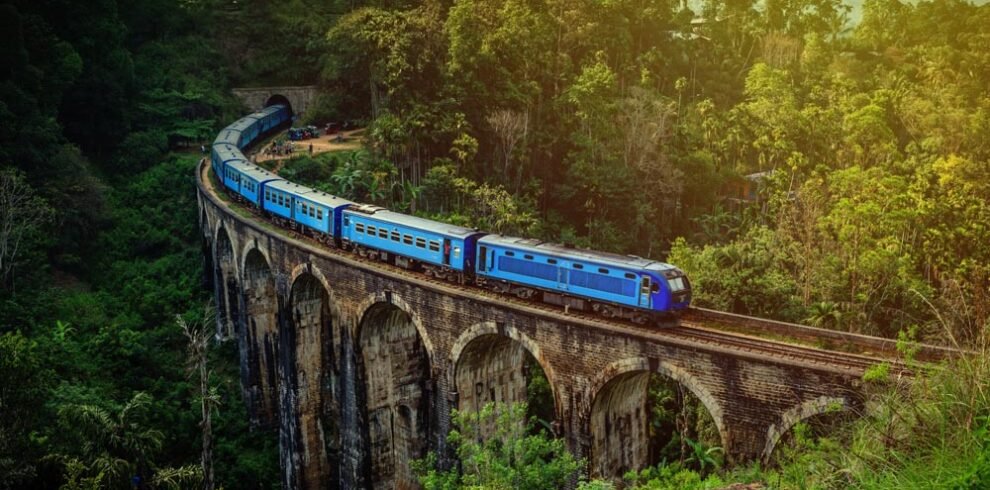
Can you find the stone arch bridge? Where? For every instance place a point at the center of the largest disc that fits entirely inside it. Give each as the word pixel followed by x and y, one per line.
pixel 357 367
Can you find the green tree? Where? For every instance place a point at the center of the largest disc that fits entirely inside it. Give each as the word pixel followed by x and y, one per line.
pixel 515 455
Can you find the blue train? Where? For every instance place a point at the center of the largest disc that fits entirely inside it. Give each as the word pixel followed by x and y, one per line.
pixel 611 285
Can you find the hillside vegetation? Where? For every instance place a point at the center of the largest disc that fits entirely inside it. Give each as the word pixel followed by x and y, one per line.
pixel 797 166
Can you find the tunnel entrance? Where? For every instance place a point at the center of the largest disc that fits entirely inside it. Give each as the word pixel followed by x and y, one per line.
pixel 279 99
pixel 396 372
pixel 641 418
pixel 261 339
pixel 495 369
pixel 313 430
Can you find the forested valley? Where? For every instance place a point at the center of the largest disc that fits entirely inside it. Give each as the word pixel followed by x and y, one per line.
pixel 796 163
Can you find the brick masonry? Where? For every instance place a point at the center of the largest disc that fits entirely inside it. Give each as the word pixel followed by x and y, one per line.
pixel 358 366
pixel 300 98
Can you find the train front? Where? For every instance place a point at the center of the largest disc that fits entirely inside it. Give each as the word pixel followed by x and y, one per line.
pixel 676 295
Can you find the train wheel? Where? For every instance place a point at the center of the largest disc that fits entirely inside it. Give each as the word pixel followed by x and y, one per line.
pixel 640 319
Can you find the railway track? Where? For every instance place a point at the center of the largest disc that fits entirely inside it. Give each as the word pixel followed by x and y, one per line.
pixel 704 329
pixel 828 340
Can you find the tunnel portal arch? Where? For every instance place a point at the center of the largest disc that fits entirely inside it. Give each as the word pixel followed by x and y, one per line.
pixel 279 99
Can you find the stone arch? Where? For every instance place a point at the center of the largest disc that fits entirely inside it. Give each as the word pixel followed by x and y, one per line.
pixel 392 298
pixel 394 366
pixel 488 362
pixel 797 413
pixel 307 268
pixel 251 249
pixel 276 98
pixel 225 283
pixel 618 415
pixel 260 342
pixel 309 433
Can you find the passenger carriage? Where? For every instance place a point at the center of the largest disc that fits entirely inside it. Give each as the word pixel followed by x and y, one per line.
pixel 228 136
pixel 247 130
pixel 316 211
pixel 442 250
pixel 222 153
pixel 247 180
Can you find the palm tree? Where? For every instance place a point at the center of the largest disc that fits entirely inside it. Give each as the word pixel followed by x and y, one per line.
pixel 114 444
pixel 824 314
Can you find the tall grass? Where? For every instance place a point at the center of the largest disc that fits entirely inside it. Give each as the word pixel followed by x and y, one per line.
pixel 928 431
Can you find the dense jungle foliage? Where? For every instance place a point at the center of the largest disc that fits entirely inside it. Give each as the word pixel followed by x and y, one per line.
pixel 796 163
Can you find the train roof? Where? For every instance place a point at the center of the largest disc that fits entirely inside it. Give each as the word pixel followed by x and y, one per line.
pixel 329 200
pixel 259 174
pixel 228 152
pixel 229 136
pixel 291 187
pixel 310 194
pixel 272 109
pixel 563 251
pixel 243 123
pixel 418 223
pixel 267 111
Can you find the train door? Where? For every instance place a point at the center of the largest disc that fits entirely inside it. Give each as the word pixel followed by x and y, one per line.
pixel 563 277
pixel 446 251
pixel 482 259
pixel 644 293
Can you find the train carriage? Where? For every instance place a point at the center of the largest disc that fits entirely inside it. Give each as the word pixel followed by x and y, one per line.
pixel 222 153
pixel 246 180
pixel 321 212
pixel 247 129
pixel 228 136
pixel 253 181
pixel 272 116
pixel 439 247
pixel 616 285
pixel 279 198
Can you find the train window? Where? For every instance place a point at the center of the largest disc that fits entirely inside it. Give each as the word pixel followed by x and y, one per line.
pixel 630 275
pixel 372 230
pixel 347 221
pixel 383 233
pixel 302 207
pixel 421 243
pixel 551 261
pixel 359 228
pixel 407 239
pixel 319 214
pixel 312 212
pixel 603 271
pixel 395 236
pixel 528 257
pixel 655 288
pixel 434 246
pixel 510 254
pixel 578 266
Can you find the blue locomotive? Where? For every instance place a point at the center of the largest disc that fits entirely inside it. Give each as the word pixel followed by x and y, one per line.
pixel 611 285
